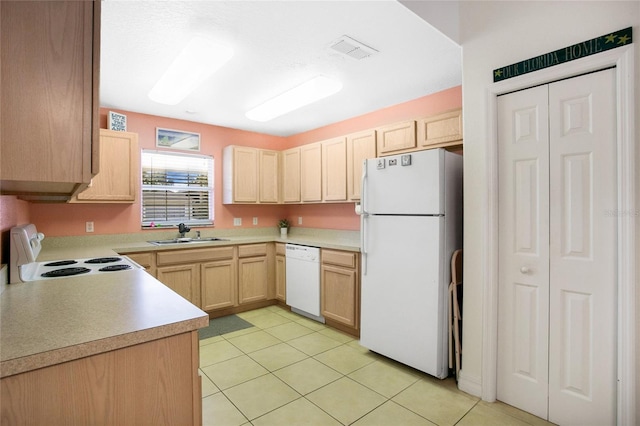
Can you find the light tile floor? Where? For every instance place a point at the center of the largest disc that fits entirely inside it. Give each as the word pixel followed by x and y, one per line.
pixel 289 370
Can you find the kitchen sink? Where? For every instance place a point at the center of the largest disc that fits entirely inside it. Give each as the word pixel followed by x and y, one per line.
pixel 186 241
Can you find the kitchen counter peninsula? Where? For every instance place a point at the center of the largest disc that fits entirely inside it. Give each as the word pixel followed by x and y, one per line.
pixel 92 347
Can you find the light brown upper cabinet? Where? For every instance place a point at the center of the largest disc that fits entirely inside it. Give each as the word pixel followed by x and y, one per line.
pixel 311 172
pixel 249 175
pixel 50 61
pixel 239 175
pixel 291 175
pixel 269 176
pixel 396 137
pixel 334 169
pixel 440 130
pixel 360 146
pixel 119 174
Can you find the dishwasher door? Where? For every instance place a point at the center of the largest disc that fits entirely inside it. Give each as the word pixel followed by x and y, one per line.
pixel 303 280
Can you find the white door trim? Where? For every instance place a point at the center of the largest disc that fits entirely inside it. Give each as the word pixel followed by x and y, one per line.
pixel 622 58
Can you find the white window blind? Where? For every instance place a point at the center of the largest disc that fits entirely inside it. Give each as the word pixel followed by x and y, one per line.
pixel 176 188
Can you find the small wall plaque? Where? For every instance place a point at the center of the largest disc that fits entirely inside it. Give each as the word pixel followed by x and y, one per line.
pixel 117 121
pixel 177 139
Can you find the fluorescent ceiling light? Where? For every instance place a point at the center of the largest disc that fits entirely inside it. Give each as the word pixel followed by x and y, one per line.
pixel 200 58
pixel 311 91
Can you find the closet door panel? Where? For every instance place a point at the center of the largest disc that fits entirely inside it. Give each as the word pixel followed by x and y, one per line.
pixel 523 309
pixel 582 340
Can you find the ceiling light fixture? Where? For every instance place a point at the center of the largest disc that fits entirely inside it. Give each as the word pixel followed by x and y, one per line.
pixel 311 91
pixel 199 59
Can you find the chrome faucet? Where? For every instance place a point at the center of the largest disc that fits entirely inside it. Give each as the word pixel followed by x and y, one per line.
pixel 183 229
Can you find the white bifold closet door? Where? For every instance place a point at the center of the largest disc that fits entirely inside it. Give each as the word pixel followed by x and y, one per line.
pixel 557 250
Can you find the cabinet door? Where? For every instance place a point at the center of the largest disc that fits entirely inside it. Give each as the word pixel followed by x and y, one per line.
pixel 360 146
pixel 396 137
pixel 440 130
pixel 334 170
pixel 119 174
pixel 291 175
pixel 269 187
pixel 339 298
pixel 239 174
pixel 218 284
pixel 49 94
pixel 311 173
pixel 183 279
pixel 281 278
pixel 252 279
pixel 146 260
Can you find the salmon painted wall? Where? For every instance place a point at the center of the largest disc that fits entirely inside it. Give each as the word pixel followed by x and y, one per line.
pixel 12 212
pixel 69 219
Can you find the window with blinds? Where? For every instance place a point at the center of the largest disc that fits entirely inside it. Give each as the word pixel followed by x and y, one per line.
pixel 176 188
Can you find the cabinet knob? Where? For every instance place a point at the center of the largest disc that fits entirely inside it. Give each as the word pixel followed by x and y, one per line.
pixel 525 270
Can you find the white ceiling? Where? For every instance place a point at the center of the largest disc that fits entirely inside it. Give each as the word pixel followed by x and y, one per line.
pixel 278 45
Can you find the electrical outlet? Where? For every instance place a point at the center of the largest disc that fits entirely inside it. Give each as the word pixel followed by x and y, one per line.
pixel 88 227
pixel 255 220
pixel 299 220
pixel 237 221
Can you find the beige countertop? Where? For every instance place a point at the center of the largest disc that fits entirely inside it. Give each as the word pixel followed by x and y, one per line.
pixel 48 322
pixel 64 247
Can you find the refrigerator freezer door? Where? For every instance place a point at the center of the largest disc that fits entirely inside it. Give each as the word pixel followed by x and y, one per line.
pixel 416 188
pixel 403 304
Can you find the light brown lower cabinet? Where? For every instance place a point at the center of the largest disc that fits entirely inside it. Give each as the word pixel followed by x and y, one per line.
pixel 219 284
pixel 253 273
pixel 340 289
pixel 147 260
pixel 281 273
pixel 183 279
pixel 153 383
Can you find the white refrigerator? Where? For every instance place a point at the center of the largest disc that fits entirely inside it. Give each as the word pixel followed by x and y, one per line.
pixel 411 223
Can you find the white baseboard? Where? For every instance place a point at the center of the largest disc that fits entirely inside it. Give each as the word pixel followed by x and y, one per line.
pixel 470 384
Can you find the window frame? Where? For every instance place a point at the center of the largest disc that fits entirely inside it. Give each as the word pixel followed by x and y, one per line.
pixel 209 189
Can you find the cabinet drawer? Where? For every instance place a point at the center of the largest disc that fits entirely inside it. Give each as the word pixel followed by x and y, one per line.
pixel 281 249
pixel 340 258
pixel 251 250
pixel 143 259
pixel 192 256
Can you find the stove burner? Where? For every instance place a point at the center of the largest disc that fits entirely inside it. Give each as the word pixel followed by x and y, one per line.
pixel 61 263
pixel 111 268
pixel 104 260
pixel 65 272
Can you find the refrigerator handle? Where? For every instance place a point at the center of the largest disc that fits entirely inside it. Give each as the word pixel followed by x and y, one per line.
pixel 363 243
pixel 363 201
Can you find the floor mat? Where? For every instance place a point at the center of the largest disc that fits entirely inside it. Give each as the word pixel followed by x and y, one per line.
pixel 223 325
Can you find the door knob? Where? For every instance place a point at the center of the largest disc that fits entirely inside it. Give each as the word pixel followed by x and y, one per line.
pixel 525 270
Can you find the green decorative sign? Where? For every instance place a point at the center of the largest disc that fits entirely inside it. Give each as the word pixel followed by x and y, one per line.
pixel 567 54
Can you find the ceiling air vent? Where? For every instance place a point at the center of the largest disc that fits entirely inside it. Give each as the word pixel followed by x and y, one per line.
pixel 352 48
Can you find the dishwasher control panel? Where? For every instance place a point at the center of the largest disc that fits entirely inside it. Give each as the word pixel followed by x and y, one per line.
pixel 295 251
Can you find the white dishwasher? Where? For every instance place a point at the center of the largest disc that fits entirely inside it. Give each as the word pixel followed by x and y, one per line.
pixel 303 280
